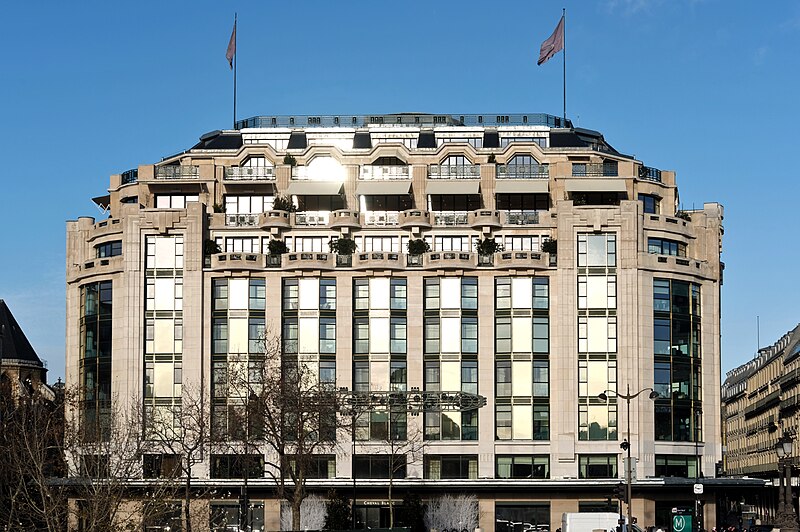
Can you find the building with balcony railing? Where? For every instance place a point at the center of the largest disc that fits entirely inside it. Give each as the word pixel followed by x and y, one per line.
pixel 596 283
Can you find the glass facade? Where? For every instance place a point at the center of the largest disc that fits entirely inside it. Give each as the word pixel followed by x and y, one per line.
pixel 597 335
pixel 677 360
pixel 95 359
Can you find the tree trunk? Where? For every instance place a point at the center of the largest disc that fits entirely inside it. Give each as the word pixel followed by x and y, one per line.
pixel 391 506
pixel 296 514
pixel 186 513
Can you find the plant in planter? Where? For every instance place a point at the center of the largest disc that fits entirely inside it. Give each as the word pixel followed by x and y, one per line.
pixel 282 203
pixel 417 246
pixel 492 158
pixel 277 247
pixel 290 160
pixel 550 246
pixel 342 246
pixel 218 208
pixel 488 246
pixel 210 247
pixel 683 215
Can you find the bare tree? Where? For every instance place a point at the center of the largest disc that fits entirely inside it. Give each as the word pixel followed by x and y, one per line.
pixel 404 448
pixel 31 436
pixel 182 437
pixel 450 512
pixel 313 511
pixel 290 416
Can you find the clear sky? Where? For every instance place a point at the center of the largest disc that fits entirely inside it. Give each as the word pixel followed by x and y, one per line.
pixel 708 88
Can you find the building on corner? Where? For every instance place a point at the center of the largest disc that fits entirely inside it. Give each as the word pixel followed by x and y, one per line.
pixel 603 286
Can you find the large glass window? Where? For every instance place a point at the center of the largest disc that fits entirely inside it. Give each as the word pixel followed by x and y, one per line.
pixel 451 466
pixel 597 466
pixel 650 204
pixel 522 466
pixel 597 250
pixel 380 466
pixel 671 465
pixel 516 517
pixel 109 249
pixel 95 358
pixel 663 246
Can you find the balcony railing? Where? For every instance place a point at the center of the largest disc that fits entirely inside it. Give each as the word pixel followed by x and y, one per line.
pixel 131 176
pixel 595 169
pixel 438 171
pixel 381 218
pixel 522 217
pixel 177 172
pixel 522 171
pixel 312 218
pixel 384 172
pixel 450 217
pixel 650 174
pixel 249 173
pixel 241 220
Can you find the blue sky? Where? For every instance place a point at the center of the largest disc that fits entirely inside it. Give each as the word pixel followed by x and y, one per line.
pixel 706 88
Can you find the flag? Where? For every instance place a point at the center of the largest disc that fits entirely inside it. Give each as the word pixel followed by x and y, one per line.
pixel 231 51
pixel 553 44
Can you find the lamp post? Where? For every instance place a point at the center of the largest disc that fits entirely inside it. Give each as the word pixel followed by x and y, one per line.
pixel 626 443
pixel 787 518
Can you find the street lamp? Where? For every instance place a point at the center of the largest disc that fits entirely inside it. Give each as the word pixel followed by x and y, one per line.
pixel 787 519
pixel 626 444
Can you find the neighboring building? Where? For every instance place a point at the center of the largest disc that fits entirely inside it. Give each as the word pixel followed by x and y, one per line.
pixel 629 300
pixel 22 373
pixel 760 403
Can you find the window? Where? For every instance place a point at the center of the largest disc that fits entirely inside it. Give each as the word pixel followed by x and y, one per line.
pixel 650 203
pixel 451 466
pixel 380 466
pixel 225 516
pixel 523 202
pixel 108 249
pixel 174 201
pixel 454 202
pixel 662 246
pixel 451 243
pixel 522 243
pixel 237 465
pixel 522 466
pixel 161 465
pixel 248 204
pixel 398 375
pixel 318 466
pixel 597 250
pixel 510 517
pixel 327 335
pixel 670 465
pixel 597 466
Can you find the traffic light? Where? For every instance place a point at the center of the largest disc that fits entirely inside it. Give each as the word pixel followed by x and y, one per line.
pixel 621 492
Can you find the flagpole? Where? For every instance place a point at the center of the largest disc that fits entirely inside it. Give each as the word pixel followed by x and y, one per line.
pixel 564 63
pixel 235 38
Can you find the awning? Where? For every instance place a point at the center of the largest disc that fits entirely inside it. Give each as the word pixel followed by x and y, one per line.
pixel 314 188
pixel 521 186
pixel 102 201
pixel 595 184
pixel 453 186
pixel 383 188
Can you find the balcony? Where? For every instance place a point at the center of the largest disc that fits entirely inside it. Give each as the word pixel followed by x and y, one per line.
pixel 381 218
pixel 241 220
pixel 481 219
pixel 384 172
pixel 308 261
pixel 520 217
pixel 608 169
pixel 238 261
pixel 648 173
pixel 276 220
pixel 312 218
pixel 414 218
pixel 438 171
pixel 379 260
pixel 450 218
pixel 450 259
pixel 178 172
pixel 523 171
pixel 129 177
pixel 345 218
pixel 249 173
pixel 521 259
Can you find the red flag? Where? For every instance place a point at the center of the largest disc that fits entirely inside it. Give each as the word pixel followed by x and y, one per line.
pixel 231 52
pixel 553 44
